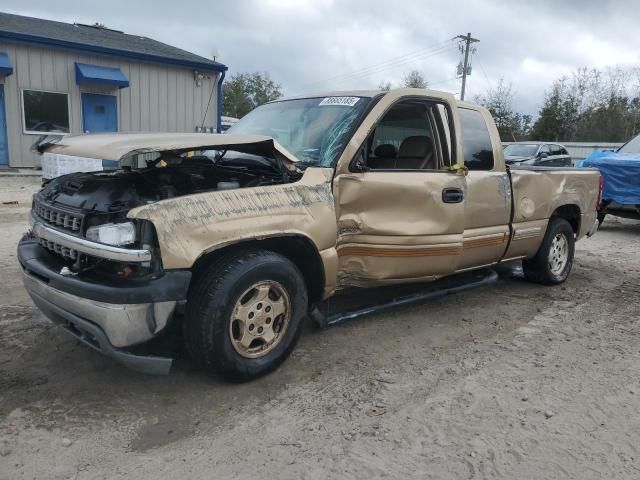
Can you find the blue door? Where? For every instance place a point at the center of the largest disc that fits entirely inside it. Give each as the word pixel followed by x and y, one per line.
pixel 99 113
pixel 4 147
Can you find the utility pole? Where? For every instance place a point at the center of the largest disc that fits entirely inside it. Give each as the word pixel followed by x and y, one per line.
pixel 468 40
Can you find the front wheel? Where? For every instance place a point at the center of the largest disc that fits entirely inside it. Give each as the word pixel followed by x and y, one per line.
pixel 245 315
pixel 552 263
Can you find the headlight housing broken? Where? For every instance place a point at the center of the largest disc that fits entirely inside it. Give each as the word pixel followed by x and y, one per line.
pixel 113 233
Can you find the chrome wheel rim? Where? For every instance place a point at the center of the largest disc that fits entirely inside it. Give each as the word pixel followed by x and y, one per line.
pixel 260 319
pixel 559 254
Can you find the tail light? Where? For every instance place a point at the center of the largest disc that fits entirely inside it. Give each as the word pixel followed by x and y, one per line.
pixel 600 188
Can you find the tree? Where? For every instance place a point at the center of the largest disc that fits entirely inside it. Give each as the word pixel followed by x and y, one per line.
pixel 511 125
pixel 591 105
pixel 384 86
pixel 246 91
pixel 414 79
pixel 558 114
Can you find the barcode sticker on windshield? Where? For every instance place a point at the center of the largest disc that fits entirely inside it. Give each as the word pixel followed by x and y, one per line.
pixel 345 101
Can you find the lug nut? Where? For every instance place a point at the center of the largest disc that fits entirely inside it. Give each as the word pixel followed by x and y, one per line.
pixel 267 309
pixel 251 327
pixel 268 320
pixel 259 329
pixel 259 306
pixel 250 315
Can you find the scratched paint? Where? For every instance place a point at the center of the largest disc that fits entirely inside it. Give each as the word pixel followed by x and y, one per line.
pixel 504 187
pixel 191 225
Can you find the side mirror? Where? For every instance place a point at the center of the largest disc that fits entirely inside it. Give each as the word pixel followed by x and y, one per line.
pixel 543 155
pixel 358 164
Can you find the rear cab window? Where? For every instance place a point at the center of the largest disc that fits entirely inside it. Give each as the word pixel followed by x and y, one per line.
pixel 476 140
pixel 556 150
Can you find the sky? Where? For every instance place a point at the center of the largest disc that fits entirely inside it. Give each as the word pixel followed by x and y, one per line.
pixel 320 45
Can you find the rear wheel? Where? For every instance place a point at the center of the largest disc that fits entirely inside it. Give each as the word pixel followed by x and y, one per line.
pixel 245 315
pixel 552 263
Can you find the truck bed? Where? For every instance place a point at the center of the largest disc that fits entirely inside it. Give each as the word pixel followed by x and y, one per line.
pixel 539 191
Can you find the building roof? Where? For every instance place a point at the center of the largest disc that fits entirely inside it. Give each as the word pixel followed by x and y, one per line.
pixel 99 39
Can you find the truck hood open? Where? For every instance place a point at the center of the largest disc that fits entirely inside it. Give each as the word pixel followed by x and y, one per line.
pixel 118 146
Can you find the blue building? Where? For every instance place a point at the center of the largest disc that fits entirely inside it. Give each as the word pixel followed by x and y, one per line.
pixel 74 78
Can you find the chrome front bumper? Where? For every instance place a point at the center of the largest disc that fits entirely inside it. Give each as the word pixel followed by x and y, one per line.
pixel 105 327
pixel 124 325
pixel 107 316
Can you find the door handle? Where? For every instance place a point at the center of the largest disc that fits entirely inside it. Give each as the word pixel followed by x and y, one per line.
pixel 452 195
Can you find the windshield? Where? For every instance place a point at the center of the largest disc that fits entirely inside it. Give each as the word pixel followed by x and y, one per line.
pixel 632 146
pixel 313 129
pixel 520 150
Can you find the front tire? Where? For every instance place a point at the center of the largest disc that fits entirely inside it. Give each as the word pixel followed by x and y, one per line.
pixel 245 315
pixel 552 263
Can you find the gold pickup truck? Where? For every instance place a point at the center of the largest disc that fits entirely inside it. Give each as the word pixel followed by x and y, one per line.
pixel 241 236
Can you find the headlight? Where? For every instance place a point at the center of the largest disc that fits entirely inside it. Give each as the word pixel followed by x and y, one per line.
pixel 113 233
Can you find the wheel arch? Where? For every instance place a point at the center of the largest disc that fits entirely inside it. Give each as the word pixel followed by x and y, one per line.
pixel 300 250
pixel 571 213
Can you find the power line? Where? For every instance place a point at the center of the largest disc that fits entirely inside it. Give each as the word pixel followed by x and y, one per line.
pixel 390 60
pixel 489 84
pixel 440 82
pixel 402 58
pixel 393 65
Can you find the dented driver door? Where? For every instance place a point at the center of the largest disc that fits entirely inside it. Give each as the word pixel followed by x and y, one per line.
pixel 401 217
pixel 395 226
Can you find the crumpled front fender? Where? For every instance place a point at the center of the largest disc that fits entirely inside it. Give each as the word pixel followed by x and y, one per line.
pixel 191 225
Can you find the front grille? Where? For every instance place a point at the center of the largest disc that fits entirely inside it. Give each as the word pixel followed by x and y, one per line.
pixel 57 218
pixel 59 249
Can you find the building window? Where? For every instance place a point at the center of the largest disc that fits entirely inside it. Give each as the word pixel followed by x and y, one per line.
pixel 45 111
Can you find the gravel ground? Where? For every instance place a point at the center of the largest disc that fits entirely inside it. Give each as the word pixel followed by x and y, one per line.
pixel 511 381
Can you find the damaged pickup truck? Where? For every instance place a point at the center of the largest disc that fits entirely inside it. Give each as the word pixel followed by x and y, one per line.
pixel 241 236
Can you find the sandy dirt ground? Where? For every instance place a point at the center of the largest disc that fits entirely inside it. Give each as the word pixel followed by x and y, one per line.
pixel 511 381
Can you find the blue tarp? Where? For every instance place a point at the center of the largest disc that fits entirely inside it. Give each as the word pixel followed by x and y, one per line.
pixel 97 75
pixel 6 68
pixel 621 173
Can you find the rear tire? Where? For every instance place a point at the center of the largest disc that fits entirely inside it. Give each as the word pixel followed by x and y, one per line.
pixel 552 263
pixel 245 315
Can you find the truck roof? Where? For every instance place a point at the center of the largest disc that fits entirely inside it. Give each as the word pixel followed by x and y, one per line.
pixel 399 92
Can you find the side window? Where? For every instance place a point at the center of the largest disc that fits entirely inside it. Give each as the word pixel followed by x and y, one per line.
pixel 564 151
pixel 407 138
pixel 544 149
pixel 476 141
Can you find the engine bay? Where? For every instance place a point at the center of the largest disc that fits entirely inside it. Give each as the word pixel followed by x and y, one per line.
pixel 116 192
pixel 77 203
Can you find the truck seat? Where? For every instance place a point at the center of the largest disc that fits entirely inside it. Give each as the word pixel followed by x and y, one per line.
pixel 415 153
pixel 385 157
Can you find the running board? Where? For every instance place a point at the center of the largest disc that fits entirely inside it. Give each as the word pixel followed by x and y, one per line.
pixel 446 286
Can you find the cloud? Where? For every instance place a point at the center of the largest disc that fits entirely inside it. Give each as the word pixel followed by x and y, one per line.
pixel 325 44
